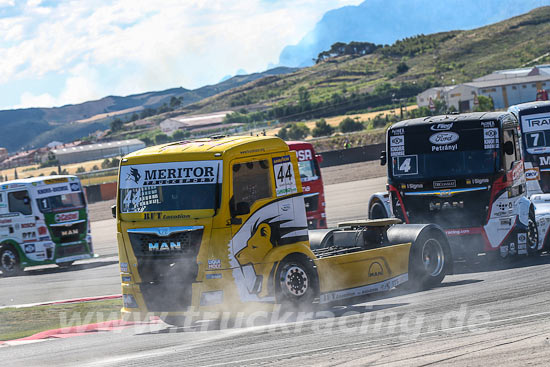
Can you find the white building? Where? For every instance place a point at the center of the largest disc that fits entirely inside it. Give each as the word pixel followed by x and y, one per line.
pixel 186 122
pixel 83 153
pixel 505 87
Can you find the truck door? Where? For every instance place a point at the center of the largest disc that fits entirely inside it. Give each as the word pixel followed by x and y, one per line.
pixel 251 194
pixel 20 208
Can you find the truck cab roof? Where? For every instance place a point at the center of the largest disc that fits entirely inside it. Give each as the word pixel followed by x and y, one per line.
pixel 473 116
pixel 218 147
pixel 35 180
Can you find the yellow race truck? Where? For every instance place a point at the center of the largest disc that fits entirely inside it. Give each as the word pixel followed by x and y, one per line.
pixel 219 224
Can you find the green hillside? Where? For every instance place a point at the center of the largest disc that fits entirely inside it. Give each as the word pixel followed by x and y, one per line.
pixel 342 81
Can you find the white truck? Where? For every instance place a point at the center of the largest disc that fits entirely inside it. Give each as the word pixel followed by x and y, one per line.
pixel 43 220
pixel 534 120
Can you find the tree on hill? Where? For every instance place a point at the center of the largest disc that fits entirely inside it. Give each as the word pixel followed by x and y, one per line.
pixel 322 129
pixel 485 104
pixel 348 125
pixel 298 131
pixel 402 67
pixel 116 125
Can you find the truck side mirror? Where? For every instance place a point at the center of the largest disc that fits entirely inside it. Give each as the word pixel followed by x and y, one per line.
pixel 383 158
pixel 509 148
pixel 242 208
pixel 319 158
pixel 113 211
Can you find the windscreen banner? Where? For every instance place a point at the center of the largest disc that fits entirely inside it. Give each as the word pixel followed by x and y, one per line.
pixel 439 149
pixel 536 130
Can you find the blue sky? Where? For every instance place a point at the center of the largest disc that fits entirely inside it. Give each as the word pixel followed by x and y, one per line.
pixel 63 52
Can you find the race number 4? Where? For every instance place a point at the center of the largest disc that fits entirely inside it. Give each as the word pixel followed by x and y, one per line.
pixel 285 182
pixel 405 165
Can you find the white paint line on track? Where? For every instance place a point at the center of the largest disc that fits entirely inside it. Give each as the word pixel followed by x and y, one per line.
pixel 74 300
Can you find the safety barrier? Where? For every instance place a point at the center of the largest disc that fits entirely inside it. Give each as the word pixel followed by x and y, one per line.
pixel 352 155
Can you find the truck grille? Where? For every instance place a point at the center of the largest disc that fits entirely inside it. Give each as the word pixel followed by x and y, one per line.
pixel 458 211
pixel 168 267
pixel 69 233
pixel 65 251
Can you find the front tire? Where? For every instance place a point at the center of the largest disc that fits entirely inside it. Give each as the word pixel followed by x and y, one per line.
pixel 532 235
pixel 377 210
pixel 296 282
pixel 9 262
pixel 428 260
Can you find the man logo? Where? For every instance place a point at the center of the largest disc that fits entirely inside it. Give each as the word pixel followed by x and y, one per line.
pixel 164 247
pixel 376 270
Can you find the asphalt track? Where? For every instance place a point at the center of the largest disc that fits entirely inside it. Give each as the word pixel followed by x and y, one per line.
pixel 482 315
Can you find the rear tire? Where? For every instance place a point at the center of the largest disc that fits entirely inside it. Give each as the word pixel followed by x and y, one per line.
pixel 296 282
pixel 9 262
pixel 429 260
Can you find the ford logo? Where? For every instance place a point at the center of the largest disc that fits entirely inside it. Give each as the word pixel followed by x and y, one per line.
pixel 444 138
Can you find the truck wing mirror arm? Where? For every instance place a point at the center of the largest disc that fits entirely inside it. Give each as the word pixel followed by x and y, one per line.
pixel 113 211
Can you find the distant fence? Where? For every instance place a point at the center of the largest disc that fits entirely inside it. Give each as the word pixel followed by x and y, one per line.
pixel 352 155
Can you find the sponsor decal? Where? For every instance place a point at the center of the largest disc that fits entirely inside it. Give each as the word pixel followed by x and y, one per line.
pixel 399 131
pixel 213 276
pixel 487 124
pixel 460 232
pixel 490 138
pixel 536 122
pixel 397 145
pixel 164 247
pixel 415 186
pixel 444 148
pixel 28 225
pixel 306 188
pixel 442 127
pixel 285 183
pixel 8 215
pixel 75 186
pixel 124 267
pixel 532 174
pixel 214 264
pixel 512 248
pixel 175 173
pixel 126 279
pixel 444 184
pixel 304 155
pixel 375 270
pixel 444 138
pixel 522 238
pixel 30 249
pixel 5 221
pixel 66 217
pixel 44 191
pixel 56 181
pixel 544 161
pixel 44 238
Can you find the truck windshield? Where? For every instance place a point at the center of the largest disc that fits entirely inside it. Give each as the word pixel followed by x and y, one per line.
pixel 170 186
pixel 309 170
pixel 164 198
pixel 444 151
pixel 61 202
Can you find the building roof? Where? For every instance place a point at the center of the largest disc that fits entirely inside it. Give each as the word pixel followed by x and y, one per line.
pixel 509 81
pixel 98 146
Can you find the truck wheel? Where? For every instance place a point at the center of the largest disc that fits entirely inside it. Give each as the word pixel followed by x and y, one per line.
pixel 428 261
pixel 532 235
pixel 296 282
pixel 9 262
pixel 377 210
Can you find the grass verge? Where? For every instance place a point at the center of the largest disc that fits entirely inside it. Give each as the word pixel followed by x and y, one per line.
pixel 18 323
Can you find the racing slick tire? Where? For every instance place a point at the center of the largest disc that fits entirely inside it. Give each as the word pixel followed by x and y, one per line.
pixel 430 256
pixel 532 235
pixel 9 262
pixel 296 282
pixel 377 210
